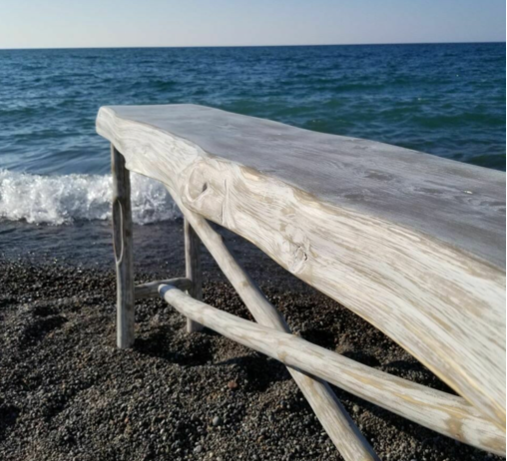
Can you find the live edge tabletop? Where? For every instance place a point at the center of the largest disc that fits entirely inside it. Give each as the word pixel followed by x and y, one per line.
pixel 413 243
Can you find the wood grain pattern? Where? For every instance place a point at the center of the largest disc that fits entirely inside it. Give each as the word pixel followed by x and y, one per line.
pixel 122 240
pixel 448 414
pixel 193 268
pixel 329 411
pixel 413 243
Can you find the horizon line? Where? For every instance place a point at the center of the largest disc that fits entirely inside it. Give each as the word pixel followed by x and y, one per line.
pixel 252 46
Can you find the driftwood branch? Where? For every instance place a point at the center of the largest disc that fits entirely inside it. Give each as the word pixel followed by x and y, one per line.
pixel 122 241
pixel 448 414
pixel 150 289
pixel 330 412
pixel 193 268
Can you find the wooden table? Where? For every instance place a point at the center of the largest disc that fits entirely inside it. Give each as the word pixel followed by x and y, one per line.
pixel 413 243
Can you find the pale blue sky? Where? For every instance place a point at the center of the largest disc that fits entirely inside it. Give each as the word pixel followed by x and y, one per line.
pixel 113 23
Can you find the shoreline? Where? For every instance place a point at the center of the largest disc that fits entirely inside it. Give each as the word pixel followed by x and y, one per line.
pixel 67 392
pixel 158 248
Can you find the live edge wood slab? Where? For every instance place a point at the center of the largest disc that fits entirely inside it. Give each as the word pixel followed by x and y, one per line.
pixel 413 243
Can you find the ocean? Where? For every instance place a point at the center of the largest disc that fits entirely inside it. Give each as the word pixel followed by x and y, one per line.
pixel 443 99
pixel 66 392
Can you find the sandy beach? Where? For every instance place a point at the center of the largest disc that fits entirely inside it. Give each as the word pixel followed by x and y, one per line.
pixel 67 393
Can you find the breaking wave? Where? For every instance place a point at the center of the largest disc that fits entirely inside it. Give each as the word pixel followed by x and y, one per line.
pixel 64 199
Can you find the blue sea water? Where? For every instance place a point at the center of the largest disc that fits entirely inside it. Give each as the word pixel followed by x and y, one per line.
pixel 443 99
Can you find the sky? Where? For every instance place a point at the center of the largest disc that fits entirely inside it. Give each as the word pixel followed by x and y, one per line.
pixel 139 23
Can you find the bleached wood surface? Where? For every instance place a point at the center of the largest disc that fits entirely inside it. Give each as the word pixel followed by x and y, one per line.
pixel 413 243
pixel 122 241
pixel 448 414
pixel 150 289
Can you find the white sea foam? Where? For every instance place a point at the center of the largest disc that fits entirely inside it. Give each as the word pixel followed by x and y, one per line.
pixel 63 199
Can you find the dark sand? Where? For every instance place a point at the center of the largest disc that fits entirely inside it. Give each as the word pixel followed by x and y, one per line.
pixel 67 393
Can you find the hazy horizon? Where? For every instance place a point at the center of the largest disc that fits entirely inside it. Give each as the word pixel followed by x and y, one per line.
pixel 57 24
pixel 252 46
